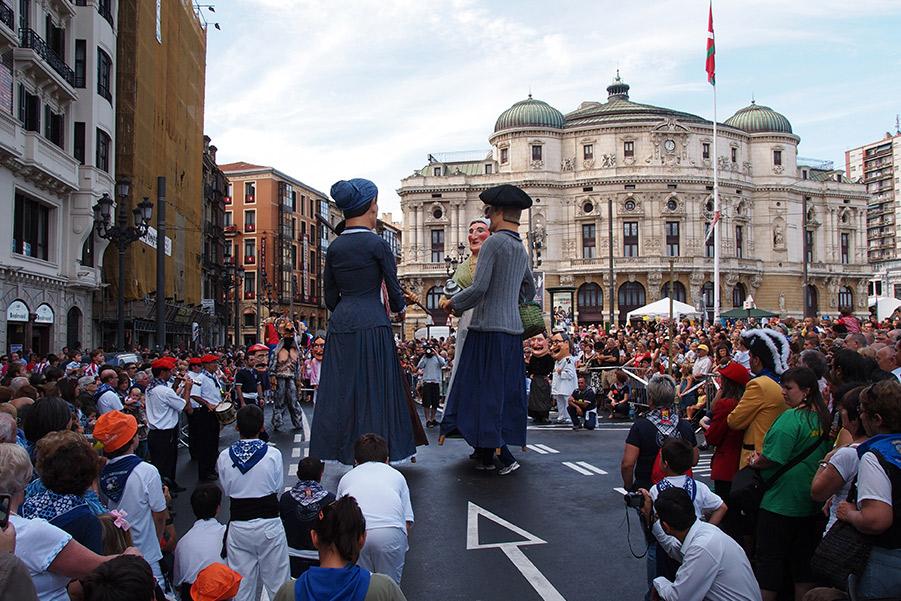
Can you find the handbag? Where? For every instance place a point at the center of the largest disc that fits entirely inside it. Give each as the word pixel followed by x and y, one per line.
pixel 842 552
pixel 749 486
pixel 532 319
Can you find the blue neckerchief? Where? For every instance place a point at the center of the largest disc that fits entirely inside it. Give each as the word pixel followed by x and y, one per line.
pixel 690 486
pixel 49 506
pixel 887 445
pixel 769 373
pixel 20 439
pixel 36 487
pixel 156 382
pixel 101 390
pixel 350 583
pixel 246 453
pixel 115 475
pixel 213 378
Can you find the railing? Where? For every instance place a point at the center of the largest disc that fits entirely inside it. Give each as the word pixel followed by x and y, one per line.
pixel 7 16
pixel 30 39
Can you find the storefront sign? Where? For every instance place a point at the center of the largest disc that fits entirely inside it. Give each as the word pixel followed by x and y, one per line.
pixel 43 314
pixel 17 311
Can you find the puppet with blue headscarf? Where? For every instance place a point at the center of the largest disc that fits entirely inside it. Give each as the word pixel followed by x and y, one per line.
pixel 360 383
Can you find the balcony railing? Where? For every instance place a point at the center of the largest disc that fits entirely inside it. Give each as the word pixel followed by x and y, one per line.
pixel 7 16
pixel 30 39
pixel 231 230
pixel 227 200
pixel 250 260
pixel 250 227
pixel 249 198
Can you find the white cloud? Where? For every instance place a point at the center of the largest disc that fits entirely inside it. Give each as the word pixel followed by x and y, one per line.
pixel 330 90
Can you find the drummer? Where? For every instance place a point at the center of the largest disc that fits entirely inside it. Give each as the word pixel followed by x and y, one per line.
pixel 195 374
pixel 208 395
pixel 163 407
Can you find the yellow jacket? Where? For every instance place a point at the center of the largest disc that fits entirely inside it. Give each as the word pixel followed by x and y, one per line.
pixel 758 408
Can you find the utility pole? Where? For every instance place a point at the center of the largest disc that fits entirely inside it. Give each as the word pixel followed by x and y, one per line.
pixel 160 263
pixel 612 291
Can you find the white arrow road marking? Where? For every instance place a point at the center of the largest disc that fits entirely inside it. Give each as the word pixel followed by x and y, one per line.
pixel 535 448
pixel 620 490
pixel 547 448
pixel 512 550
pixel 577 468
pixel 592 468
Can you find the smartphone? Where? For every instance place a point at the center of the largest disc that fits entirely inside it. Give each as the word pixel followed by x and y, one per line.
pixel 4 510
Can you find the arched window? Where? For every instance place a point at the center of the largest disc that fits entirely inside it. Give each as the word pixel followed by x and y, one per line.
pixel 811 301
pixel 631 296
pixel 73 328
pixel 845 298
pixel 678 291
pixel 439 315
pixel 739 294
pixel 591 303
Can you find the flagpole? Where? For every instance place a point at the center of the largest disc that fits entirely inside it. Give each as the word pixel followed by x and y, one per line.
pixel 716 219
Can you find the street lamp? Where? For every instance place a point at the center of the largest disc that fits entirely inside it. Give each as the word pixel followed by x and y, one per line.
pixel 234 277
pixel 450 263
pixel 122 235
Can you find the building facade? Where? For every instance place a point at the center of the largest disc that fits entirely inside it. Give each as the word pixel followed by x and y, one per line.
pixel 877 166
pixel 58 62
pixel 215 189
pixel 273 233
pixel 635 181
pixel 159 122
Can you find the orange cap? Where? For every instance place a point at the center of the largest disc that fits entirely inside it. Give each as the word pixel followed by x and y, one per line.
pixel 114 430
pixel 216 582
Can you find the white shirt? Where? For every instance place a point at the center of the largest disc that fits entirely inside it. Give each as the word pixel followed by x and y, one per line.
pixel 38 542
pixel 163 407
pixel 845 462
pixel 108 401
pixel 265 478
pixel 743 357
pixel 714 568
pixel 872 481
pixel 706 502
pixel 199 547
pixel 564 382
pixel 197 378
pixel 143 495
pixel 897 372
pixel 209 389
pixel 382 494
pixel 702 366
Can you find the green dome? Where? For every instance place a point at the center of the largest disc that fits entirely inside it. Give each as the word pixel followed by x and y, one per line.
pixel 530 113
pixel 756 118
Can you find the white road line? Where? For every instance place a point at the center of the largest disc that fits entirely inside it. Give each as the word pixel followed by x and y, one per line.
pixel 576 468
pixel 295 452
pixel 532 574
pixel 535 448
pixel 298 438
pixel 306 426
pixel 620 490
pixel 592 468
pixel 306 451
pixel 547 448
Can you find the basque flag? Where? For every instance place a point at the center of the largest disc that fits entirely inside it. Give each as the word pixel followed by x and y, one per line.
pixel 711 50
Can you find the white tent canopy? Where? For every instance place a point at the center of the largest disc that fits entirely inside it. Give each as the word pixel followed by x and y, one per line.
pixel 661 309
pixel 885 306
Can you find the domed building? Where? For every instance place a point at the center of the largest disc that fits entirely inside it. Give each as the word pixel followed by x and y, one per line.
pixel 645 174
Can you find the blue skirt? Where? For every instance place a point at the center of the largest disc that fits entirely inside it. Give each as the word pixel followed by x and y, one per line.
pixel 487 403
pixel 360 392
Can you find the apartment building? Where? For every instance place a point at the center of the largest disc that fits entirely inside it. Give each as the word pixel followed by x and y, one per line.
pixel 57 130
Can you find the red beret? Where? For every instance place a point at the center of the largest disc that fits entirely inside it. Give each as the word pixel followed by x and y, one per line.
pixel 736 372
pixel 163 363
pixel 257 348
pixel 209 359
pixel 195 361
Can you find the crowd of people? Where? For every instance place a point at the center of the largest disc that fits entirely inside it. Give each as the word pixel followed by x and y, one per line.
pixel 803 418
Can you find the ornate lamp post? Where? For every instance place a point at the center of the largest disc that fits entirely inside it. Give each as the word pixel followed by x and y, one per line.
pixel 233 278
pixel 450 263
pixel 122 235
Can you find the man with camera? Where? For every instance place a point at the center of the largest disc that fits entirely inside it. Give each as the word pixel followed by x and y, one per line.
pixel 713 566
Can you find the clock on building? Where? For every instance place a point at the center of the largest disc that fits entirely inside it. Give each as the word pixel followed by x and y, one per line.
pixel 669 145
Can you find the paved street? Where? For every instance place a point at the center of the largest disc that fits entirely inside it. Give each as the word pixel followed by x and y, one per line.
pixel 562 502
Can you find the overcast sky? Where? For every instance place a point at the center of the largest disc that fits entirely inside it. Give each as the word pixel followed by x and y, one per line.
pixel 328 90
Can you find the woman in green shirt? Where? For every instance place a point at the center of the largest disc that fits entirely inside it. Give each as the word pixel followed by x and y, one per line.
pixel 790 524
